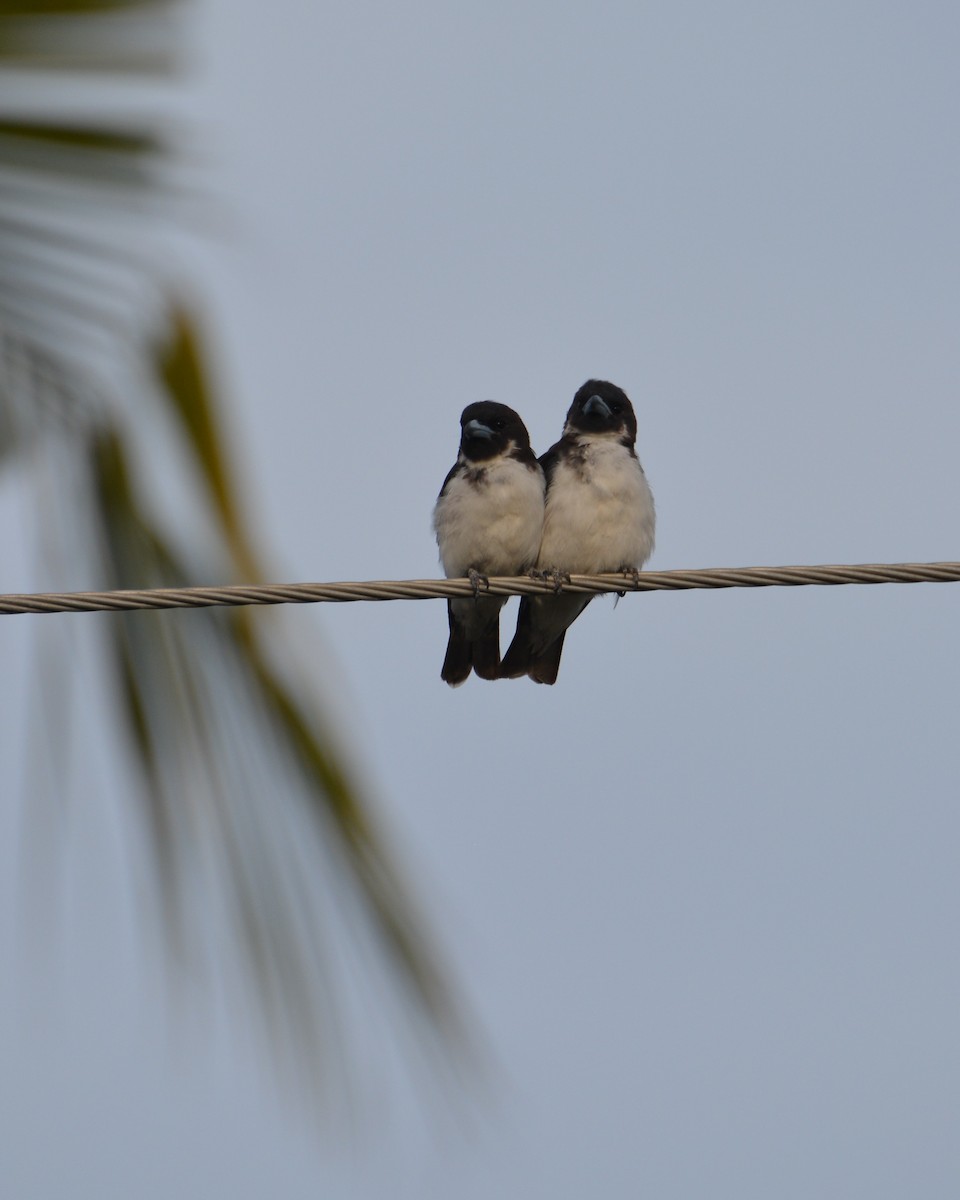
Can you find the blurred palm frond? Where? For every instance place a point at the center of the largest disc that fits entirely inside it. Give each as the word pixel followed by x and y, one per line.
pixel 244 784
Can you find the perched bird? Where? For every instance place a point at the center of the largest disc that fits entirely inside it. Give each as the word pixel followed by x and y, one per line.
pixel 599 517
pixel 488 520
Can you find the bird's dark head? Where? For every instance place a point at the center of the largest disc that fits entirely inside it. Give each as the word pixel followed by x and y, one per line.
pixel 488 429
pixel 600 407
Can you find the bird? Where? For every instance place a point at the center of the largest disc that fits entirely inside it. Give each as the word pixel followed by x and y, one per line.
pixel 488 520
pixel 599 517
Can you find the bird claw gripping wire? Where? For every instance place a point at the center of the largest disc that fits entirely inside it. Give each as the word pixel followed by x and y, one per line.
pixel 557 578
pixel 633 574
pixel 478 582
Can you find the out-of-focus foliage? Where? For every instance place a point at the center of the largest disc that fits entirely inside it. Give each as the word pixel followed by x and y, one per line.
pixel 249 805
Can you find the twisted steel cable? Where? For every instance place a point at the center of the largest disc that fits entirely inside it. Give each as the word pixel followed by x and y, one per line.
pixel 506 585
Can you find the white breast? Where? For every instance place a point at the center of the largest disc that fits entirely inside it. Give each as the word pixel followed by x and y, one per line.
pixel 493 525
pixel 599 512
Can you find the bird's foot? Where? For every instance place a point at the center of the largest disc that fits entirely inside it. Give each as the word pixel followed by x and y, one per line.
pixel 558 579
pixel 633 575
pixel 478 582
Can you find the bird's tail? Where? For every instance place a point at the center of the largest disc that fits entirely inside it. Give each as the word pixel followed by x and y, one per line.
pixel 480 652
pixel 525 657
pixel 537 645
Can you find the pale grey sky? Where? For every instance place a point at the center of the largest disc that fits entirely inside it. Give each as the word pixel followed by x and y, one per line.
pixel 702 895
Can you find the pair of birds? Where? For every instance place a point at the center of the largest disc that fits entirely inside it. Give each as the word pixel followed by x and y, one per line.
pixel 583 507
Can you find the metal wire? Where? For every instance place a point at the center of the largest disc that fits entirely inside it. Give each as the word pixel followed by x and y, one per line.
pixel 506 585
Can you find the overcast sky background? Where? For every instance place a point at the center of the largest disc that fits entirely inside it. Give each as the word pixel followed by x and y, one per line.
pixel 701 895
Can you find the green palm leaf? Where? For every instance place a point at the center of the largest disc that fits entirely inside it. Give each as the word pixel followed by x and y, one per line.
pixel 245 789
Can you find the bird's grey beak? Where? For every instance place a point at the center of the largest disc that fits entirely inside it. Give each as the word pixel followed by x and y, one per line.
pixel 477 429
pixel 596 404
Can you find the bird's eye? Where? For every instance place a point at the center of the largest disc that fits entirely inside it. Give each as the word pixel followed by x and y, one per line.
pixel 499 423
